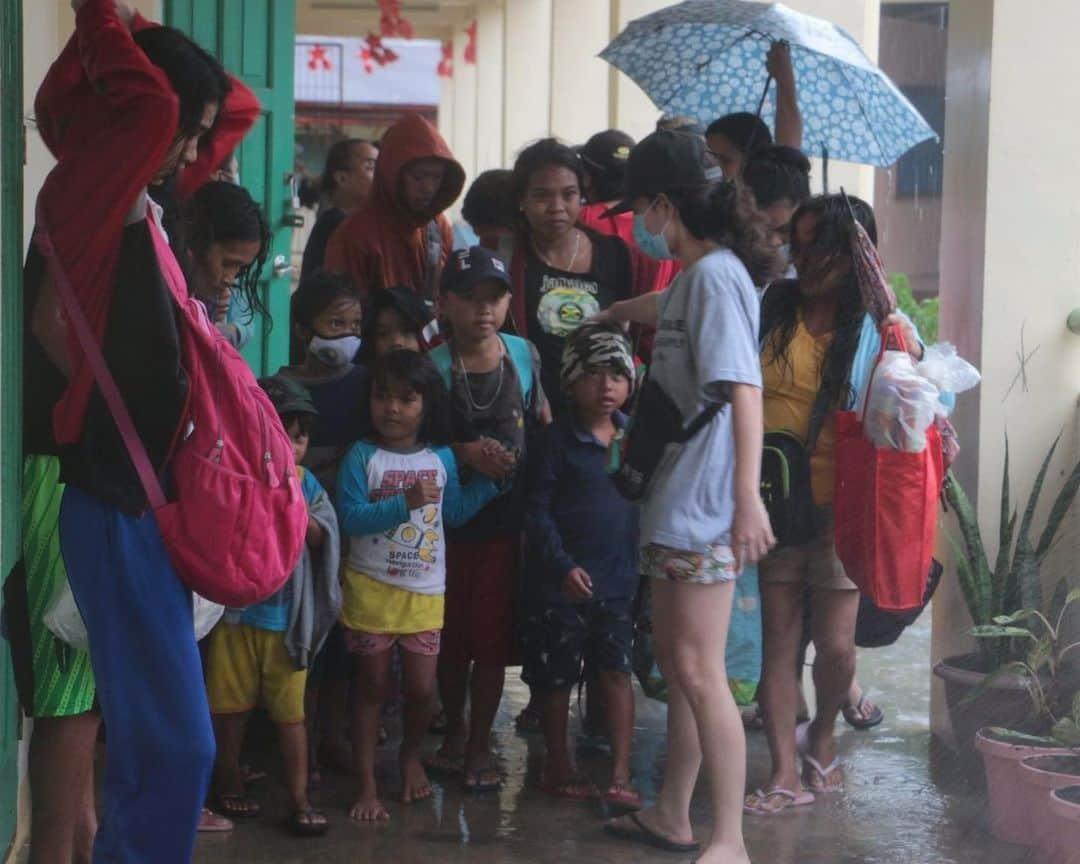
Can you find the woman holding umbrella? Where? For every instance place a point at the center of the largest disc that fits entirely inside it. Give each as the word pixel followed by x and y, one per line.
pixel 702 516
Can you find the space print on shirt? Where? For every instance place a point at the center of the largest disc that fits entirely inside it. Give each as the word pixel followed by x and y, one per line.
pixel 415 544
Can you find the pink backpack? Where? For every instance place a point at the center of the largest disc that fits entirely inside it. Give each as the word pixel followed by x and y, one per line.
pixel 235 529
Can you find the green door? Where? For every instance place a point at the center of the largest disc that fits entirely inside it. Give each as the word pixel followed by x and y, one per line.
pixel 11 252
pixel 255 39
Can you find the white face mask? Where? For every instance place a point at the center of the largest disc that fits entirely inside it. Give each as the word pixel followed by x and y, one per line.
pixel 335 353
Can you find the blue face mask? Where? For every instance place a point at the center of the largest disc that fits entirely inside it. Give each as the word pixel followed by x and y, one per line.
pixel 653 245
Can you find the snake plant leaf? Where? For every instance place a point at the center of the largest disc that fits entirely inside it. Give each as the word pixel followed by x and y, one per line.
pixel 995 631
pixel 976 600
pixel 1026 566
pixel 1061 506
pixel 1036 490
pixel 1007 519
pixel 981 577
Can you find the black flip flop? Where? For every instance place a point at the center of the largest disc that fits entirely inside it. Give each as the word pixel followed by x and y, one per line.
pixel 853 715
pixel 647 837
pixel 299 828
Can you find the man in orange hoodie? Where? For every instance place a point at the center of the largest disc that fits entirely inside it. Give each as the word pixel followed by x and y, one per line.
pixel 399 235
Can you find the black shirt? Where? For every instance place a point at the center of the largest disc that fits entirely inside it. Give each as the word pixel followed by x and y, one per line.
pixel 557 301
pixel 315 250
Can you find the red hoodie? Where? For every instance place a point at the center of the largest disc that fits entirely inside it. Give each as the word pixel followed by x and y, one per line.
pixel 382 244
pixel 109 116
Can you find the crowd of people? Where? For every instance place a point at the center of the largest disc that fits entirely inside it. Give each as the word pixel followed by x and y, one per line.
pixel 456 400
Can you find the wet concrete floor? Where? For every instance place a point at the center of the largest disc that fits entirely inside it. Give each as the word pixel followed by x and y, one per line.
pixel 891 812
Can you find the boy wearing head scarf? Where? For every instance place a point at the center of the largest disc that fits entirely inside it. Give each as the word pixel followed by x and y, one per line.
pixel 583 542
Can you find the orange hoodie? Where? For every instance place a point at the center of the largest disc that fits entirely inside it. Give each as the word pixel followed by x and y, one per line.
pixel 383 244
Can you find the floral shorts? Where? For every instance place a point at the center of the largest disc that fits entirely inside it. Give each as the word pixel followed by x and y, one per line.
pixel 693 568
pixel 367 644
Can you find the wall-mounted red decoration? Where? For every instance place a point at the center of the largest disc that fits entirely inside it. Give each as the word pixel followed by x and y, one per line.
pixel 375 53
pixel 318 59
pixel 470 46
pixel 446 64
pixel 392 22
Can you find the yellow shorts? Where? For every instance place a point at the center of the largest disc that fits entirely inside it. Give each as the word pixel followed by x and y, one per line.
pixel 246 665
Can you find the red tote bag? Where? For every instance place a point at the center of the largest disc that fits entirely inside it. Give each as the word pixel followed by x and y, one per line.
pixel 885 509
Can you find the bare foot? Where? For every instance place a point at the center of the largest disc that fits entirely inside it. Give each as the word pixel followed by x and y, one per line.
pixel 721 854
pixel 650 818
pixel 415 785
pixel 368 808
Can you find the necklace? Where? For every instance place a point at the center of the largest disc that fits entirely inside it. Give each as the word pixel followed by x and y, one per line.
pixel 477 408
pixel 570 267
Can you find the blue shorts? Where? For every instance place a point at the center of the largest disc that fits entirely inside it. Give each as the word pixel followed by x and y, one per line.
pixel 599 632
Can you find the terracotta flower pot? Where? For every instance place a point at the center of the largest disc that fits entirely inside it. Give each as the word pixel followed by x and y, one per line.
pixel 1039 777
pixel 1010 812
pixel 1061 845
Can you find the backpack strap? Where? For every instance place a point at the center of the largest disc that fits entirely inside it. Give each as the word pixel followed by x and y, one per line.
pixel 96 358
pixel 521 355
pixel 518 350
pixel 444 361
pixel 434 258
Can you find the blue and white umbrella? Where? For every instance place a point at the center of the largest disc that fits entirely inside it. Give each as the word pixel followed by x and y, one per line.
pixel 706 58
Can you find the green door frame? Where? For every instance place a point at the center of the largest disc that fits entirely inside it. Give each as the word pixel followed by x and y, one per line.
pixel 12 133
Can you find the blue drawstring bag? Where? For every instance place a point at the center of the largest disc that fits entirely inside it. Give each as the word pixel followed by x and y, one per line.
pixel 743 653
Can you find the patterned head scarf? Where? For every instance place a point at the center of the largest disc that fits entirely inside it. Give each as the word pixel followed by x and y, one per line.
pixel 593 345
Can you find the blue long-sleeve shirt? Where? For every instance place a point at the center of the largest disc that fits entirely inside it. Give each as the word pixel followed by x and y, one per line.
pixel 576 516
pixel 388 541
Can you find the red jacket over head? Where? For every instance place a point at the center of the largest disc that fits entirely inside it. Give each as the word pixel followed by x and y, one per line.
pixel 109 116
pixel 383 244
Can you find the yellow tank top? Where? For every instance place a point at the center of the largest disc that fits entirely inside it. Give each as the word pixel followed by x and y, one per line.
pixel 791 385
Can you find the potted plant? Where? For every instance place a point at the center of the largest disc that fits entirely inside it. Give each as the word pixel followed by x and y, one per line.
pixel 1015 812
pixel 1061 843
pixel 982 688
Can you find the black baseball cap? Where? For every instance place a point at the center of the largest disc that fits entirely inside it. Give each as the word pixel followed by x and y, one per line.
pixel 288 396
pixel 667 161
pixel 607 151
pixel 468 267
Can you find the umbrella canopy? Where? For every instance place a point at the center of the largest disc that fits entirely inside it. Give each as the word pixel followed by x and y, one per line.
pixel 706 58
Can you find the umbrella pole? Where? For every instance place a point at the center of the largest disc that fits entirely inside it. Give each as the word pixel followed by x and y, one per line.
pixel 824 169
pixel 753 132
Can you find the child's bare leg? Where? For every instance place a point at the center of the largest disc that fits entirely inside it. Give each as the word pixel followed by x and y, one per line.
pixel 418 690
pixel 555 718
pixel 453 686
pixel 372 673
pixel 228 775
pixel 618 699
pixel 485 692
pixel 294 753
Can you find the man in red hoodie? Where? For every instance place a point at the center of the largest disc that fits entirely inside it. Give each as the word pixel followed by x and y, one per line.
pixel 399 235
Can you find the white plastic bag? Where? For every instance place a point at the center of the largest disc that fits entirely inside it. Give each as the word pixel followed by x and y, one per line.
pixel 947 370
pixel 64 621
pixel 900 404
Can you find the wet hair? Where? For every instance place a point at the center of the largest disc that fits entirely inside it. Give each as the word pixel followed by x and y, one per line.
pixel 418 373
pixel 780 308
pixel 491 200
pixel 195 76
pixel 746 131
pixel 339 158
pixel 303 418
pixel 778 173
pixel 409 308
pixel 545 153
pixel 318 292
pixel 222 212
pixel 724 212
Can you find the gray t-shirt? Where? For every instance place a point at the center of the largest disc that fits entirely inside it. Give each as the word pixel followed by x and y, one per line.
pixel 706 340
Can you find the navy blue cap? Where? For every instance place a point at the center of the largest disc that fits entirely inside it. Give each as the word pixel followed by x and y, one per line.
pixel 468 267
